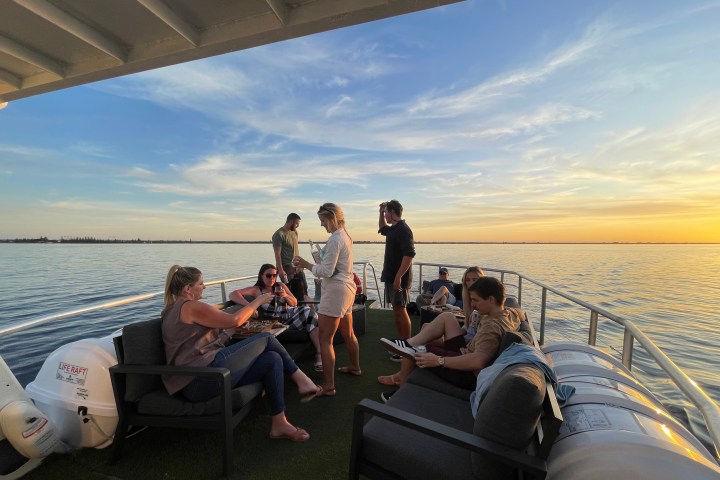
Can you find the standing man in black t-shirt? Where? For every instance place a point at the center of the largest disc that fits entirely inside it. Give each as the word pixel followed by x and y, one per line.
pixel 399 253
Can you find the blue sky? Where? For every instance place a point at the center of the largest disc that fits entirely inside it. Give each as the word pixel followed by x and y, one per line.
pixel 489 121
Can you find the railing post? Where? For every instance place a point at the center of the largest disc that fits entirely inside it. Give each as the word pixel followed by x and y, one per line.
pixel 223 295
pixel 627 350
pixel 364 281
pixel 542 316
pixel 420 279
pixel 592 337
pixel 520 290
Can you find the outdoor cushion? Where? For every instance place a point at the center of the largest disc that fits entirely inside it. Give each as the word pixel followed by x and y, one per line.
pixel 511 302
pixel 425 378
pixel 509 415
pixel 413 455
pixel 293 335
pixel 158 402
pixel 143 345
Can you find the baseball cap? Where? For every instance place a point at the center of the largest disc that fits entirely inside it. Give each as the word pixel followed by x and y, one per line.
pixel 443 270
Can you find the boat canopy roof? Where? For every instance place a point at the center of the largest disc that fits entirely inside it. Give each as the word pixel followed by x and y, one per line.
pixel 48 45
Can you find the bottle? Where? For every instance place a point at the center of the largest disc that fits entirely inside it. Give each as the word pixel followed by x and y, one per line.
pixel 315 251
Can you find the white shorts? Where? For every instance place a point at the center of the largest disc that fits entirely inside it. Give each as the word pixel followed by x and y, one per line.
pixel 336 298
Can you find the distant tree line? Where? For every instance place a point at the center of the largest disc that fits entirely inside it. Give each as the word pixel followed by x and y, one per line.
pixel 29 240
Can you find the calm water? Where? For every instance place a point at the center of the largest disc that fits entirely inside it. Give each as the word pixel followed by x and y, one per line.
pixel 671 291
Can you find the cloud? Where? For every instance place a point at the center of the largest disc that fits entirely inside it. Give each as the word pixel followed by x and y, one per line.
pixel 139 172
pixel 506 85
pixel 25 150
pixel 267 172
pixel 91 149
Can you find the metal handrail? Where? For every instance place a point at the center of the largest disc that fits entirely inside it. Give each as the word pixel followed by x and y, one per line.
pixel 139 298
pixel 692 391
pixel 707 407
pixel 105 305
pixel 365 265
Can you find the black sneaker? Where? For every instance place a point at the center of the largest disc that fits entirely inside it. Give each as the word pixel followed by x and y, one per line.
pixel 400 347
pixel 394 357
pixel 385 396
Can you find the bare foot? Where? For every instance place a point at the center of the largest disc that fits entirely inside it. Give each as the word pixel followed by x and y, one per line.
pixel 314 389
pixel 390 380
pixel 293 434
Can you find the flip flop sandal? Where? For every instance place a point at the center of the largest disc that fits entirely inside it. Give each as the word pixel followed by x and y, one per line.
pixel 310 396
pixel 350 371
pixel 329 392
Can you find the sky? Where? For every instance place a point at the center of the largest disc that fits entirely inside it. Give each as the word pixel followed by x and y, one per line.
pixel 490 121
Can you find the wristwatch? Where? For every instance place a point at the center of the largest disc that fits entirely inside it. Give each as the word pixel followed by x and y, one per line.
pixel 441 361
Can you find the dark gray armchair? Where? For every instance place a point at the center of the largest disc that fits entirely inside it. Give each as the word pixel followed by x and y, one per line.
pixel 142 399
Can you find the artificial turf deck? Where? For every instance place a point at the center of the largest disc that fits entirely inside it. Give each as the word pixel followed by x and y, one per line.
pixel 161 453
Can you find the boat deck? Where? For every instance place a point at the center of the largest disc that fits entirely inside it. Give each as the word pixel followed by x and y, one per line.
pixel 180 454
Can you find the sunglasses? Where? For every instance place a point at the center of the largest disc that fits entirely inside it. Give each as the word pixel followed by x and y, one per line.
pixel 270 275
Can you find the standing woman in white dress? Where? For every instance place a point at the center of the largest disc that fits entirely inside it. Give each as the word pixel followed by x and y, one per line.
pixel 337 295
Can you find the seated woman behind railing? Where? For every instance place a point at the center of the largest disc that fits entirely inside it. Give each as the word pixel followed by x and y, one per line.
pixel 283 306
pixel 195 334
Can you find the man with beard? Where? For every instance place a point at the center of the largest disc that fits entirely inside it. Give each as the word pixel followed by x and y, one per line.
pixel 285 244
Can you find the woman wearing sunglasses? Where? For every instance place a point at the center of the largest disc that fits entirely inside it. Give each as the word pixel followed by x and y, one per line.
pixel 197 334
pixel 283 306
pixel 337 294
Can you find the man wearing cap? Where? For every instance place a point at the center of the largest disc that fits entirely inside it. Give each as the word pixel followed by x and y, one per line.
pixel 427 296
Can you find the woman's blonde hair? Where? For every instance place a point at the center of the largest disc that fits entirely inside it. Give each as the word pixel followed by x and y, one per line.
pixel 467 307
pixel 331 210
pixel 176 280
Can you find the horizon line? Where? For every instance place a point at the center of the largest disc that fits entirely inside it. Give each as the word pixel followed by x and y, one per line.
pixel 380 242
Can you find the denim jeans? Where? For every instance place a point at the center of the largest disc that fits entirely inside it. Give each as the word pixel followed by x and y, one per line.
pixel 247 367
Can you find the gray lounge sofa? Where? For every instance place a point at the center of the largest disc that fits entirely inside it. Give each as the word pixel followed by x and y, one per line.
pixel 426 429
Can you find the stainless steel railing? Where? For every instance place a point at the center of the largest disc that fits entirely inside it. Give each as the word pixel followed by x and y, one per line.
pixel 104 306
pixel 631 333
pixel 139 298
pixel 365 265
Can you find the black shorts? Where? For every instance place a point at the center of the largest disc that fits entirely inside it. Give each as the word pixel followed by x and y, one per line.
pixel 397 298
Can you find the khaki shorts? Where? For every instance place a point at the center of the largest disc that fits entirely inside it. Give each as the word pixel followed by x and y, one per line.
pixel 336 298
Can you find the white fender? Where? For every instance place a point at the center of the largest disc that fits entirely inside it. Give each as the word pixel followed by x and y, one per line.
pixel 23 426
pixel 29 431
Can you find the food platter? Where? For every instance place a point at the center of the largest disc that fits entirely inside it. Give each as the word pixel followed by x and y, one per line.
pixel 253 327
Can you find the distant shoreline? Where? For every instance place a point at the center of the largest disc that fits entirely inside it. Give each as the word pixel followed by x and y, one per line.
pixel 357 242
